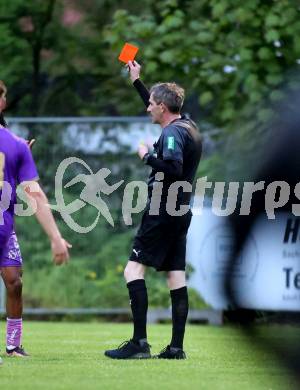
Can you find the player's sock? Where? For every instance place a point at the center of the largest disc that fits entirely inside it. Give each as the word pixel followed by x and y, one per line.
pixel 14 329
pixel 180 308
pixel 139 306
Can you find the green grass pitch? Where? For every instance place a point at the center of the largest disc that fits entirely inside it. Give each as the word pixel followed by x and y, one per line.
pixel 70 356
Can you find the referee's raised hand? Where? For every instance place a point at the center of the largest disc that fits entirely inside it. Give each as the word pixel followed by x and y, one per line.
pixel 134 69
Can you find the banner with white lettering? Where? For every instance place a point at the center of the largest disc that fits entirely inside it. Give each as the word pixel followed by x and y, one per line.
pixel 267 272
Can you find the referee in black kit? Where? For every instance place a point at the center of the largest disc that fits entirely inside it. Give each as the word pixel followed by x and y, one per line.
pixel 161 239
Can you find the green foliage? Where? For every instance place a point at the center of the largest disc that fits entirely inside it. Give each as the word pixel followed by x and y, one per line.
pixel 93 279
pixel 238 57
pixel 249 37
pixel 230 54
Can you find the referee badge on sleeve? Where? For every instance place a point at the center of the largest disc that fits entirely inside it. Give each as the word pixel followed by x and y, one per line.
pixel 171 143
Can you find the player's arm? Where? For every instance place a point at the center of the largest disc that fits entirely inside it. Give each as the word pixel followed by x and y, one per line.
pixel 39 202
pixel 27 177
pixel 30 143
pixel 134 71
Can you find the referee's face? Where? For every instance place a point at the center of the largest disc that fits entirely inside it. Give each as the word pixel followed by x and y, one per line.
pixel 155 110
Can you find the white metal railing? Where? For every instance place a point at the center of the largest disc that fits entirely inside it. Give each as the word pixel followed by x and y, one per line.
pixel 76 119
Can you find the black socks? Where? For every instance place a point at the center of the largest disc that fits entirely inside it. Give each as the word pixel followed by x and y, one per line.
pixel 180 308
pixel 139 306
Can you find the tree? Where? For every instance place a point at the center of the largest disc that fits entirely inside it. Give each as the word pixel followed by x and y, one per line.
pixel 235 55
pixel 56 61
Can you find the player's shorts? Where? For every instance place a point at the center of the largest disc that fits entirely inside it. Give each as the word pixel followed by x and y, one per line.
pixel 10 254
pixel 161 242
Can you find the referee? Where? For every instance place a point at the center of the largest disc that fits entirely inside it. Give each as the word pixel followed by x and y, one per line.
pixel 161 239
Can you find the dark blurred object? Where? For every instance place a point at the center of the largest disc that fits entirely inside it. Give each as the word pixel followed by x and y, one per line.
pixel 281 163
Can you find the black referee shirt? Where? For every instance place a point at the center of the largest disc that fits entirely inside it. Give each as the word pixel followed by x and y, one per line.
pixel 176 153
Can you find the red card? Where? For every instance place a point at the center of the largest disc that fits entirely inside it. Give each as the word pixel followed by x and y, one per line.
pixel 128 53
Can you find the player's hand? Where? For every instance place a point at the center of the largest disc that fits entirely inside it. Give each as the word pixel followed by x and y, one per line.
pixel 30 143
pixel 134 70
pixel 60 250
pixel 142 150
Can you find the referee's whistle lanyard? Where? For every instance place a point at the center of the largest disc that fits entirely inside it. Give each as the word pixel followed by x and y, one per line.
pixel 156 144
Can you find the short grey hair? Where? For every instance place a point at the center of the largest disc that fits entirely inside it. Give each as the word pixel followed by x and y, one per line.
pixel 171 94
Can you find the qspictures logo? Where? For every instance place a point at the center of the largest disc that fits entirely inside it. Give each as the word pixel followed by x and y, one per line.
pixel 134 197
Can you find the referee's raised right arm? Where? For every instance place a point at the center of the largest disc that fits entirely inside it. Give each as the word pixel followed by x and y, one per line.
pixel 134 70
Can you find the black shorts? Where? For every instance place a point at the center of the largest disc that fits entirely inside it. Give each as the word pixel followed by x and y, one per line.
pixel 161 242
